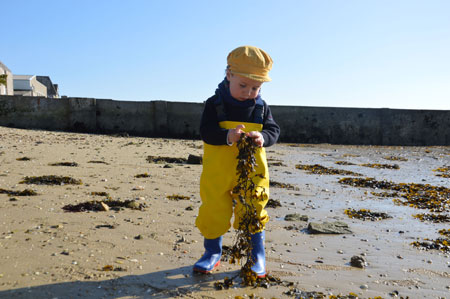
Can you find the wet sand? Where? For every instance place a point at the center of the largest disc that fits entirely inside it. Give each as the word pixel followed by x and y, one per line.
pixel 49 253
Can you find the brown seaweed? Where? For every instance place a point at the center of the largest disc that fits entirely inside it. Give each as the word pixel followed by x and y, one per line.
pixel 247 193
pixel 273 203
pixel 365 214
pixel 421 196
pixel 51 180
pixel 23 159
pixel 26 192
pixel 162 160
pixel 142 175
pixel 385 194
pixel 441 244
pixel 178 197
pixel 98 162
pixel 381 166
pixel 444 171
pixel 282 185
pixel 319 169
pixel 99 205
pixel 395 158
pixel 436 218
pixel 344 163
pixel 70 164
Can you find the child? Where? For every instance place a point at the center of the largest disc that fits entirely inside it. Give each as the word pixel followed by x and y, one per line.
pixel 235 108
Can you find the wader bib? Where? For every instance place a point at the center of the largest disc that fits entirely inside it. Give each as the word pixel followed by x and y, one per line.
pixel 218 180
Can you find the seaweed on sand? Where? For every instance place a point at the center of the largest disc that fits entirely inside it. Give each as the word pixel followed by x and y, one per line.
pixel 51 180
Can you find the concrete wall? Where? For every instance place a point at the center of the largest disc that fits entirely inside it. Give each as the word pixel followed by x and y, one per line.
pixel 181 120
pixel 363 125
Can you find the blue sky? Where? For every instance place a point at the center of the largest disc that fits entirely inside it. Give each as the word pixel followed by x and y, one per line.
pixel 348 53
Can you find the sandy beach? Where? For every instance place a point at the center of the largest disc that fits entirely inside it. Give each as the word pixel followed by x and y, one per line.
pixel 147 250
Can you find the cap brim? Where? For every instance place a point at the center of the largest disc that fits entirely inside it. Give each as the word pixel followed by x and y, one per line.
pixel 254 77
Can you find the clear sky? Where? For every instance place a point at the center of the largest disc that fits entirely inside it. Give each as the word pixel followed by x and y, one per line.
pixel 347 53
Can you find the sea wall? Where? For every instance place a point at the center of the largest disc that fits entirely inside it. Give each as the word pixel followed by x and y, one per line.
pixel 298 124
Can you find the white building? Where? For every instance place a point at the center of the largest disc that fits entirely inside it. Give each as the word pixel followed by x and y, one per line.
pixel 28 85
pixel 9 88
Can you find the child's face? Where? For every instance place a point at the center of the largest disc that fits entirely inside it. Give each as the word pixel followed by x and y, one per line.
pixel 242 88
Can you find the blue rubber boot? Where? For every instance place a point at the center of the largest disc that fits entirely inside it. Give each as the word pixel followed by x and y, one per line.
pixel 258 254
pixel 211 258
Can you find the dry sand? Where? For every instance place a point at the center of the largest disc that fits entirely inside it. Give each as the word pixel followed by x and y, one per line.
pixel 46 252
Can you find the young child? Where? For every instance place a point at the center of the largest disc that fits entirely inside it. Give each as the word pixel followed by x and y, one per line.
pixel 235 108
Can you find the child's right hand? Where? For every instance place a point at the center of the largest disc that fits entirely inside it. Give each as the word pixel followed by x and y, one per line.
pixel 235 134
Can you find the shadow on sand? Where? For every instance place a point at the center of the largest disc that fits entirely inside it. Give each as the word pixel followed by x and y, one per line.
pixel 162 284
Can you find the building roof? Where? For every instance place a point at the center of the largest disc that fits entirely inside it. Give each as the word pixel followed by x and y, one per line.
pixel 52 89
pixel 23 77
pixel 4 67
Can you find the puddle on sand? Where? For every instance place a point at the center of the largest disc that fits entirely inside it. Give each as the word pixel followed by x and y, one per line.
pixel 322 198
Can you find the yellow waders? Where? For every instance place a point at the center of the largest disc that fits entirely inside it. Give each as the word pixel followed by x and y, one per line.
pixel 218 180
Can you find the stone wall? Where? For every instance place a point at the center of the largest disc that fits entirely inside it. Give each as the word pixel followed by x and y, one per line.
pixel 181 120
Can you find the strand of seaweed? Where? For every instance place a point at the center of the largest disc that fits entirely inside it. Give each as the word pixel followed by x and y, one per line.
pixel 246 193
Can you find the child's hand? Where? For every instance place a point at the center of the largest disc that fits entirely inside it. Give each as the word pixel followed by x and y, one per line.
pixel 257 137
pixel 235 134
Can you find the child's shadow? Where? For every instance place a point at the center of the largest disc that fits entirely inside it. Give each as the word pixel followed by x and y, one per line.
pixel 161 284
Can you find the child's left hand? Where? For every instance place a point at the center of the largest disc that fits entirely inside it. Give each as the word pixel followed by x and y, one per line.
pixel 257 137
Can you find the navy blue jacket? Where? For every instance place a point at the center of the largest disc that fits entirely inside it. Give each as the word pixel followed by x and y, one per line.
pixel 212 134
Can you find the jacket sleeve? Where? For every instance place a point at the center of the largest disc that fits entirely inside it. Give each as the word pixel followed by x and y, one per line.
pixel 271 130
pixel 210 131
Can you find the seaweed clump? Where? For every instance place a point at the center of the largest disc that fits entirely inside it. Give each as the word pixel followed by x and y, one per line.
pixel 282 185
pixel 276 163
pixel 420 196
pixel 273 203
pixel 178 197
pixel 381 166
pixel 319 169
pixel 98 162
pixel 444 172
pixel 441 244
pixel 142 175
pixel 445 232
pixel 99 205
pixel 162 160
pixel 385 194
pixel 247 194
pixel 70 164
pixel 364 214
pixel 265 282
pixel 23 159
pixel 26 192
pixel 299 294
pixel 436 218
pixel 51 180
pixel 395 158
pixel 344 163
